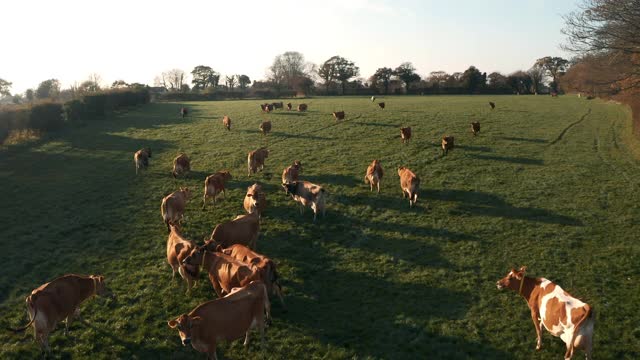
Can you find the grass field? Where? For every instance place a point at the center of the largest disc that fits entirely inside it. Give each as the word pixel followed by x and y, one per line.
pixel 549 183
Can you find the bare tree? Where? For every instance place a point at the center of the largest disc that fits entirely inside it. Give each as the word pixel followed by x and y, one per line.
pixel 4 87
pixel 231 82
pixel 171 80
pixel 288 68
pixel 537 76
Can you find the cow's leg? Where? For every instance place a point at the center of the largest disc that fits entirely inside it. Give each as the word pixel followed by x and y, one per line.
pixel 204 201
pixel 370 186
pixel 537 324
pixel 217 288
pixel 404 193
pixel 246 337
pixel 378 185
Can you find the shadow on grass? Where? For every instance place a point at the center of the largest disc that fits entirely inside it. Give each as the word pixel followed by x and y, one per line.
pixel 376 124
pixel 283 135
pixel 474 148
pixel 521 139
pixel 509 159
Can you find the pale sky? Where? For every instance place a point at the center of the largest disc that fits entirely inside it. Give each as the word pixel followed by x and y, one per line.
pixel 137 40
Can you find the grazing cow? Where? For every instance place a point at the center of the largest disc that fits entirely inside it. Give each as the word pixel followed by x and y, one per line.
pixel 141 158
pixel 226 121
pixel 492 104
pixel 381 105
pixel 447 144
pixel 214 185
pixel 561 314
pixel 244 229
pixel 184 112
pixel 59 300
pixel 554 94
pixel 178 248
pixel 374 175
pixel 255 160
pixel 338 115
pixel 278 105
pixel 265 127
pixel 475 127
pixel 225 319
pixel 181 165
pixel 307 194
pixel 302 107
pixel 290 174
pixel 373 98
pixel 172 208
pixel 410 184
pixel 405 134
pixel 255 200
pixel 289 106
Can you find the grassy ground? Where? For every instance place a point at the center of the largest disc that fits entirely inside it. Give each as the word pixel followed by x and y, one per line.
pixel 549 183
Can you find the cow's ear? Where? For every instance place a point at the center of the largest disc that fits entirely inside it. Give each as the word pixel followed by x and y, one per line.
pixel 196 320
pixel 172 324
pixel 523 269
pixel 219 248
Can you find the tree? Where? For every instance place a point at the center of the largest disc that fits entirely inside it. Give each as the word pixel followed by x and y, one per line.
pixel 203 77
pixel 406 73
pixel 4 87
pixel 520 82
pixel 119 84
pixel 90 85
pixel 243 81
pixel 553 67
pixel 231 82
pixel 497 80
pixel 345 70
pixel 174 78
pixel 327 72
pixel 29 95
pixel 287 68
pixel 382 76
pixel 473 79
pixel 48 89
pixel 537 76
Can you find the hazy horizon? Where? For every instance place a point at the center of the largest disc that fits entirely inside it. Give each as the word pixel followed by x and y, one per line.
pixel 136 41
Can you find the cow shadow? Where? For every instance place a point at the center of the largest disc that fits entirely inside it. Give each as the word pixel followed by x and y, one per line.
pixel 474 148
pixel 289 113
pixel 282 135
pixel 328 180
pixel 521 139
pixel 509 159
pixel 377 124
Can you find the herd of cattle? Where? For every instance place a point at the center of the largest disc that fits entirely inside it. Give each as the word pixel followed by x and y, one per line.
pixel 243 279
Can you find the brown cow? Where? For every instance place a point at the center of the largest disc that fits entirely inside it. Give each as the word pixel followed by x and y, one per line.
pixel 307 194
pixel 405 134
pixel 244 229
pixel 492 104
pixel 267 107
pixel 255 200
pixel 277 105
pixel 374 174
pixel 410 184
pixel 178 248
pixel 289 106
pixel 338 115
pixel 447 144
pixel 172 208
pixel 255 160
pixel 265 127
pixel 181 164
pixel 226 121
pixel 59 300
pixel 184 112
pixel 302 107
pixel 561 314
pixel 290 173
pixel 475 127
pixel 141 158
pixel 214 185
pixel 225 319
pixel 381 105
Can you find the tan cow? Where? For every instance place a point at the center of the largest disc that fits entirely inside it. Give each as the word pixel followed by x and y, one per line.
pixel 405 134
pixel 561 314
pixel 226 121
pixel 307 194
pixel 255 200
pixel 214 185
pixel 374 174
pixel 181 165
pixel 447 144
pixel 265 127
pixel 255 160
pixel 475 127
pixel 178 248
pixel 410 184
pixel 338 115
pixel 302 107
pixel 244 229
pixel 59 300
pixel 141 158
pixel 291 173
pixel 225 319
pixel 172 207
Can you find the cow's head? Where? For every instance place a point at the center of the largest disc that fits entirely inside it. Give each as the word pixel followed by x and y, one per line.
pixel 253 194
pixel 185 324
pixel 187 192
pixel 100 287
pixel 195 256
pixel 226 175
pixel 401 169
pixel 512 280
pixel 298 165
pixel 148 150
pixel 290 188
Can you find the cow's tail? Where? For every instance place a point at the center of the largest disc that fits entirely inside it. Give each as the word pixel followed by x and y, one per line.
pixel 414 190
pixel 366 178
pixel 30 305
pixel 577 327
pixel 267 305
pixel 165 215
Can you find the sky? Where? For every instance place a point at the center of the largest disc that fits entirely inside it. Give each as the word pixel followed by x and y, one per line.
pixel 136 40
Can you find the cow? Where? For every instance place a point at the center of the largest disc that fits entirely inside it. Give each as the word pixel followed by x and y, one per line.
pixel 338 115
pixel 302 107
pixel 225 319
pixel 373 98
pixel 226 121
pixel 492 104
pixel 181 165
pixel 178 248
pixel 60 300
pixel 405 134
pixel 255 200
pixel 447 144
pixel 172 208
pixel 381 105
pixel 374 174
pixel 410 184
pixel 255 160
pixel 290 173
pixel 475 127
pixel 289 106
pixel 554 94
pixel 265 127
pixel 267 107
pixel 244 229
pixel 307 194
pixel 214 185
pixel 184 112
pixel 141 158
pixel 277 105
pixel 561 314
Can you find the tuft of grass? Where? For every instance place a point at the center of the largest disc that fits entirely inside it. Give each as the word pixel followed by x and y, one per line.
pixel 21 136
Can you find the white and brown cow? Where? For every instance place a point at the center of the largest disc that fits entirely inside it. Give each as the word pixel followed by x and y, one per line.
pixel 405 134
pixel 302 107
pixel 338 115
pixel 475 127
pixel 560 313
pixel 410 184
pixel 244 229
pixel 255 160
pixel 291 173
pixel 226 122
pixel 255 200
pixel 184 112
pixel 214 184
pixel 173 205
pixel 374 174
pixel 307 194
pixel 181 165
pixel 141 158
pixel 447 144
pixel 265 127
pixel 178 248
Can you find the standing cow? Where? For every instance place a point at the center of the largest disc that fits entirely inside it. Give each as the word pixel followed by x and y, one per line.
pixel 374 174
pixel 302 107
pixel 255 200
pixel 291 173
pixel 215 184
pixel 178 248
pixel 475 127
pixel 255 160
pixel 181 165
pixel 184 112
pixel 447 144
pixel 141 158
pixel 289 106
pixel 405 134
pixel 381 105
pixel 265 127
pixel 226 122
pixel 244 229
pixel 307 194
pixel 173 205
pixel 338 115
pixel 492 104
pixel 410 184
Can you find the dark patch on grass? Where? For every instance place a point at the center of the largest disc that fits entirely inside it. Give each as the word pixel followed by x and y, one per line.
pixel 509 159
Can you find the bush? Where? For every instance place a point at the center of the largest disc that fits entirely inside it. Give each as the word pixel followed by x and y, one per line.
pixel 74 111
pixel 46 116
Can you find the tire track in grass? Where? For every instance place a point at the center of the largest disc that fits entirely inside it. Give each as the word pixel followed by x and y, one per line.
pixel 564 131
